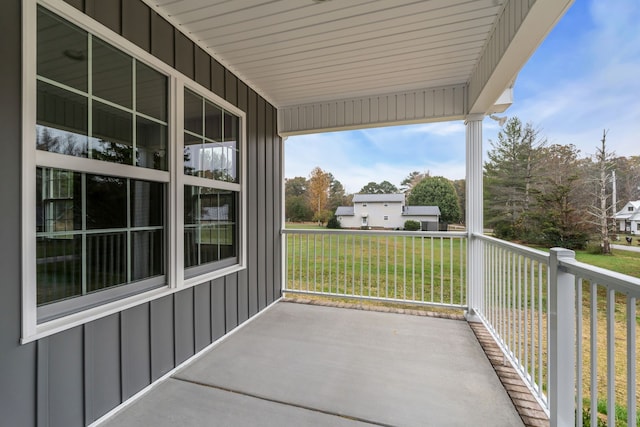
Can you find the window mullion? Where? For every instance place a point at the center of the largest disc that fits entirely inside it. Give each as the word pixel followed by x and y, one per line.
pixel 90 95
pixel 83 215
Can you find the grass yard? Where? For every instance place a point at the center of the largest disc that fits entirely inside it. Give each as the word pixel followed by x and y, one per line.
pixel 386 266
pixel 621 261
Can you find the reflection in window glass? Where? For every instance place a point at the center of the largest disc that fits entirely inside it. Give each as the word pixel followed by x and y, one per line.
pixel 61 121
pixel 210 229
pixel 62 51
pixel 192 112
pixel 106 201
pixel 213 155
pixel 151 144
pixel 112 134
pixel 192 152
pixel 120 117
pixel 58 267
pixel 95 232
pixel 213 122
pixel 112 76
pixel 151 92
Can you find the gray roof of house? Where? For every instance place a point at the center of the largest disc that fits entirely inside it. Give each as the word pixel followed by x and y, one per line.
pixel 344 211
pixel 420 210
pixel 359 198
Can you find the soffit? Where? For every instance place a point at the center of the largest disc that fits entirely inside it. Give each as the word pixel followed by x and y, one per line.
pixel 305 51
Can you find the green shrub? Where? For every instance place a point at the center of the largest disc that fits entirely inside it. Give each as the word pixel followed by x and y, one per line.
pixel 411 225
pixel 334 222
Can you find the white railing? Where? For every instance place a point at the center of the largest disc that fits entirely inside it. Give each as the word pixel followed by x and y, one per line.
pixel 605 342
pixel 427 268
pixel 515 308
pixel 569 329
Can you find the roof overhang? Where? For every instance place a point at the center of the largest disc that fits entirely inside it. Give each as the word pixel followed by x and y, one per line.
pixel 334 65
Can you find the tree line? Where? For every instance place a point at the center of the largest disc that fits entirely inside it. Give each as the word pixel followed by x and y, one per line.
pixel 317 197
pixel 551 195
pixel 535 192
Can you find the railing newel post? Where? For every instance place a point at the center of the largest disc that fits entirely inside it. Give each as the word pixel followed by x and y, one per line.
pixel 562 357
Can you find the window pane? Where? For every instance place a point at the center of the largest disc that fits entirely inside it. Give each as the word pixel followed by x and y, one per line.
pixel 106 201
pixel 58 200
pixel 112 73
pixel 151 144
pixel 59 268
pixel 61 121
pixel 213 122
pixel 151 92
pixel 106 256
pixel 192 155
pixel 147 204
pixel 112 137
pixel 210 232
pixel 62 51
pixel 210 159
pixel 229 166
pixel 147 254
pixel 191 255
pixel 192 112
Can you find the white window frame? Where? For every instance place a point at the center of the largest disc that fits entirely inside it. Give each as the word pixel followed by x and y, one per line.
pixel 174 177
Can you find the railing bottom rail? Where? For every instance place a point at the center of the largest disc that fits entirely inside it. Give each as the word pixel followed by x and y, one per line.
pixel 378 299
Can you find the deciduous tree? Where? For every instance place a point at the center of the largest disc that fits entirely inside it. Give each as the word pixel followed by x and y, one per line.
pixel 437 191
pixel 318 193
pixel 385 187
pixel 601 211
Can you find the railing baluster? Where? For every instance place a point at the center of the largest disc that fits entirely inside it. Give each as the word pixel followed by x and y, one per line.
pixel 450 271
pixel 432 269
pixel 611 354
pixel 579 357
pixel 594 353
pixel 413 268
pixel 631 361
pixel 422 269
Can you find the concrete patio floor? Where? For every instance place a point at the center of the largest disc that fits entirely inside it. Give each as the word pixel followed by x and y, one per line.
pixel 305 365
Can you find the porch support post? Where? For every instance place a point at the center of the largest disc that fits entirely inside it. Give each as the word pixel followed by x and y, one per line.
pixel 474 216
pixel 562 338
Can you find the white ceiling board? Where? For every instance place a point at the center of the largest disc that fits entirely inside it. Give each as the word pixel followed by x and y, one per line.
pixel 304 51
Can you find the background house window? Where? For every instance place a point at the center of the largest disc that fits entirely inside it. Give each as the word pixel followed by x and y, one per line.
pixel 630 208
pixel 386 217
pixel 96 232
pixel 211 151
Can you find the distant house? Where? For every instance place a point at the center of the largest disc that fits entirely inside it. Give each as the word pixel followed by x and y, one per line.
pixel 386 211
pixel 628 218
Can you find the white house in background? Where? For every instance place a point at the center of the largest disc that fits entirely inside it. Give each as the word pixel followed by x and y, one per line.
pixel 386 211
pixel 628 218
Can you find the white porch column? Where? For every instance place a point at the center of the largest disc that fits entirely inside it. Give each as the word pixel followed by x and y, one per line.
pixel 474 215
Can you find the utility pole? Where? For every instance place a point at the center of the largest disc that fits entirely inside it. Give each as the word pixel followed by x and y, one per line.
pixel 614 199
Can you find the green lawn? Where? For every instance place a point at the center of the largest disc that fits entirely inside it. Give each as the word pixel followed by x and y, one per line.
pixel 387 266
pixel 621 261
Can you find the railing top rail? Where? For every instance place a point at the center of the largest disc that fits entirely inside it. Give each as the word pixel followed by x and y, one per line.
pixel 620 282
pixel 447 234
pixel 533 254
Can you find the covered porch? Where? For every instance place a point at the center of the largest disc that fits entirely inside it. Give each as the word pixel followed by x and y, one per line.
pixel 310 365
pixel 188 352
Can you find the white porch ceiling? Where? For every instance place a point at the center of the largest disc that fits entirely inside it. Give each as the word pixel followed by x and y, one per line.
pixel 306 52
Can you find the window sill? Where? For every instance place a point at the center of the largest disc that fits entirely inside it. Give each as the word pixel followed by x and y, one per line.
pixel 80 318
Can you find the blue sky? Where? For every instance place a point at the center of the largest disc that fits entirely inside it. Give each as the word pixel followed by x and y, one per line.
pixel 584 78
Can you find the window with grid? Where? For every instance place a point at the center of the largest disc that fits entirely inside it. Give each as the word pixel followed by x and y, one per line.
pixel 212 185
pixel 97 232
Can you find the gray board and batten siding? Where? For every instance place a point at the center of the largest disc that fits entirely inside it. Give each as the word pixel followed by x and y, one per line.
pixel 74 377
